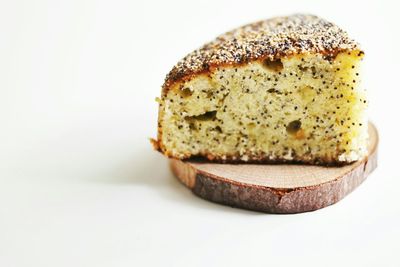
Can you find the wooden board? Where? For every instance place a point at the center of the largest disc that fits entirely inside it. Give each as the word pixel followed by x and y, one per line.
pixel 279 188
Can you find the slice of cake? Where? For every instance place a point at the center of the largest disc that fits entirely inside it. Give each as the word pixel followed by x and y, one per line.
pixel 285 89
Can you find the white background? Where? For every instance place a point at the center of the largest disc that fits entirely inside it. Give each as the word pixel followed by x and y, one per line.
pixel 80 184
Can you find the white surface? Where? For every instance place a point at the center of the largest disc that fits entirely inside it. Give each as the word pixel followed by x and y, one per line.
pixel 80 184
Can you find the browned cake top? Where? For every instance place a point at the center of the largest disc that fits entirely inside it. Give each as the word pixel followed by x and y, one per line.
pixel 274 38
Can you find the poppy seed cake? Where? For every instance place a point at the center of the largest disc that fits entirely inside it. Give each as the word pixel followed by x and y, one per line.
pixel 286 89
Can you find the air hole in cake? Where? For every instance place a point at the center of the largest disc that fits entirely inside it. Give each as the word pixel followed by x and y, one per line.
pixel 311 69
pixel 192 126
pixel 207 116
pixel 314 72
pixel 251 125
pixel 186 92
pixel 274 65
pixel 293 127
pixel 218 129
pixel 302 68
pixel 273 90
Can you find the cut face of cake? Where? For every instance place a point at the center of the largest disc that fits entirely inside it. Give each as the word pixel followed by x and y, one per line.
pixel 286 89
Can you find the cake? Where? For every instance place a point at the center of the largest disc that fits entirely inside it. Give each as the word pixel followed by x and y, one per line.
pixel 285 89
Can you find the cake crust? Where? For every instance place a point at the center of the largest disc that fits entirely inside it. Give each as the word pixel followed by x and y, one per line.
pixel 272 38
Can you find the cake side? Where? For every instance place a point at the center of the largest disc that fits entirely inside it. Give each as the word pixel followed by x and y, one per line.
pixel 303 108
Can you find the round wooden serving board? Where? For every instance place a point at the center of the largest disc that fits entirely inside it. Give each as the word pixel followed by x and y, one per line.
pixel 276 188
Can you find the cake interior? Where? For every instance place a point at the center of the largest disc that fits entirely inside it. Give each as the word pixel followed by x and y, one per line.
pixel 308 108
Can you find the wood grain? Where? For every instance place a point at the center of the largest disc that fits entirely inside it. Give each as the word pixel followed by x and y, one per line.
pixel 279 188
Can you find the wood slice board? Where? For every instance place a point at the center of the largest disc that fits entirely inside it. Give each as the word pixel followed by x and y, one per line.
pixel 276 188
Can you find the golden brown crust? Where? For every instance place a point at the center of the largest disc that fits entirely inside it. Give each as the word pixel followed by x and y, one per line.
pixel 273 38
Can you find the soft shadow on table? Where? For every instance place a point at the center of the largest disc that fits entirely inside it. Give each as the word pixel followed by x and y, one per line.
pixel 149 168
